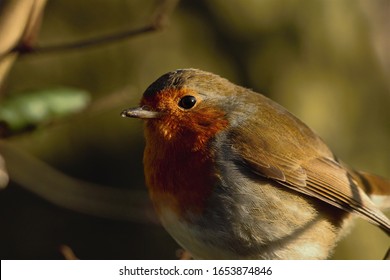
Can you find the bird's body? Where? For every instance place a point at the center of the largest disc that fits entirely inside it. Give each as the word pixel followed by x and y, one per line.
pixel 233 175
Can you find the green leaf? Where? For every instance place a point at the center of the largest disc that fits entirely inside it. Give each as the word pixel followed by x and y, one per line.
pixel 37 107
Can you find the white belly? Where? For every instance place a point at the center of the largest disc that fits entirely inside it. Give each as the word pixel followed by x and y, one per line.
pixel 191 238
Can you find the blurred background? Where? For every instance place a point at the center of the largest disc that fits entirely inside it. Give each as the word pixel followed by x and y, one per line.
pixel 75 166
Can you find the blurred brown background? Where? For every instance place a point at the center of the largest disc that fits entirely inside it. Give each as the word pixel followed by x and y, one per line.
pixel 328 62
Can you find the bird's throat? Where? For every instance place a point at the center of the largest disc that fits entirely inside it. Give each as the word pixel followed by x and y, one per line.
pixel 178 177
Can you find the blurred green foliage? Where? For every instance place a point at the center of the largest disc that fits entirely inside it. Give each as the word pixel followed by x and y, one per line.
pixel 326 61
pixel 41 106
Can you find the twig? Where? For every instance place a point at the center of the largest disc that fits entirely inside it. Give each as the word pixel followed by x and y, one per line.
pixel 68 253
pixel 183 254
pixel 23 49
pixel 158 22
pixel 387 255
pixel 77 195
pixel 19 24
pixel 4 178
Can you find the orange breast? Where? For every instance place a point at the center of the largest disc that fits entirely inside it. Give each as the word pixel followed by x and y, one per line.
pixel 179 164
pixel 178 179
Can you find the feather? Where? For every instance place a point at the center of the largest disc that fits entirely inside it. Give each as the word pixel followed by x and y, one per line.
pixel 291 154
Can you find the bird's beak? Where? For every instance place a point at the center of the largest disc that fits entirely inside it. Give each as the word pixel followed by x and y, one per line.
pixel 144 112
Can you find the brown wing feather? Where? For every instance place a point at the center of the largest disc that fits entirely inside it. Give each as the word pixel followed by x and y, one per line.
pixel 329 184
pixel 328 176
pixel 290 153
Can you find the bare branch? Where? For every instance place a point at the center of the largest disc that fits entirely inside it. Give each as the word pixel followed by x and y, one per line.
pixel 77 195
pixel 68 253
pixel 19 24
pixel 387 255
pixel 4 178
pixel 34 23
pixel 158 22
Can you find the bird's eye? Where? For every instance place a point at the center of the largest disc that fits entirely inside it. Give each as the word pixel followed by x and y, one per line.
pixel 187 102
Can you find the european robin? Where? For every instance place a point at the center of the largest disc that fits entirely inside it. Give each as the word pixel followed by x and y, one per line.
pixel 234 175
